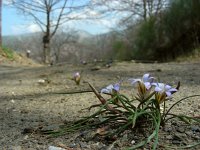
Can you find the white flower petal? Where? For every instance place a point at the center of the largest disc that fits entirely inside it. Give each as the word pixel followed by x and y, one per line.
pixel 110 87
pixel 158 89
pixel 145 77
pixel 154 84
pixel 105 91
pixel 147 85
pixel 135 81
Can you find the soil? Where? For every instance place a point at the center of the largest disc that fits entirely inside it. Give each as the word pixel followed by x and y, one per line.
pixel 34 98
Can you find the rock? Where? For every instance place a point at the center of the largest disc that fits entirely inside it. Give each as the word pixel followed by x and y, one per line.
pixel 26 137
pixel 179 138
pixel 197 137
pixel 189 133
pixel 28 130
pixel 41 81
pixel 167 129
pixel 98 145
pixel 108 65
pixel 12 101
pixel 24 111
pixel 176 142
pixel 55 148
pixel 125 138
pixel 73 145
pixel 180 129
pixel 51 127
pixel 95 68
pixel 195 128
pixel 17 148
pixel 158 70
pixel 133 142
pixel 83 145
pixel 169 137
pixel 83 62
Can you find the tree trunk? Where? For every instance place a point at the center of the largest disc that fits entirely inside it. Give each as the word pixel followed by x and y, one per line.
pixel 57 57
pixel 46 49
pixel 145 10
pixel 46 39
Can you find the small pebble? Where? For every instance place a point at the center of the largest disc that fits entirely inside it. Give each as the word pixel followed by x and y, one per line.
pixel 180 129
pixel 169 137
pixel 176 141
pixel 133 142
pixel 73 145
pixel 55 148
pixel 195 128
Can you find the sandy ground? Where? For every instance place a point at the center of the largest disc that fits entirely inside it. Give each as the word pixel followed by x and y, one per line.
pixel 27 105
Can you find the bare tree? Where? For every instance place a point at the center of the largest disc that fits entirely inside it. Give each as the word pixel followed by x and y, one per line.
pixel 49 15
pixel 60 39
pixel 132 8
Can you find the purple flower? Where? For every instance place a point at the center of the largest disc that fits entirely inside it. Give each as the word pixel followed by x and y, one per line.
pixel 111 89
pixel 77 78
pixel 77 74
pixel 143 85
pixel 146 80
pixel 163 91
pixel 161 87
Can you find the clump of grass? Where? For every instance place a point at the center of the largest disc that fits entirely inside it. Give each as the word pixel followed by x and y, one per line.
pixel 7 52
pixel 119 113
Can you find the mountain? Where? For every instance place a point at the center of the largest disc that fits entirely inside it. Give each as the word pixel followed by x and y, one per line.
pixel 79 45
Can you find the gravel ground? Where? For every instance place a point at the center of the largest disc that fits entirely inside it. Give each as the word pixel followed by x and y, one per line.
pixel 27 104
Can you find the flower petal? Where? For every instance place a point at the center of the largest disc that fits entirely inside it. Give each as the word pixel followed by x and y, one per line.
pixel 145 77
pixel 154 84
pixel 151 79
pixel 134 81
pixel 167 87
pixel 106 91
pixel 116 87
pixel 110 87
pixel 172 90
pixel 77 74
pixel 147 85
pixel 158 89
pixel 161 85
pixel 168 93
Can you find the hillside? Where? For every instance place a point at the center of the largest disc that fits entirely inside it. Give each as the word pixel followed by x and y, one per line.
pixel 12 58
pixel 71 44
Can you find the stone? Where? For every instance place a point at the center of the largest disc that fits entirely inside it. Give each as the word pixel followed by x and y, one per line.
pixel 98 145
pixel 55 148
pixel 17 148
pixel 73 145
pixel 167 129
pixel 180 129
pixel 133 142
pixel 169 137
pixel 195 128
pixel 50 127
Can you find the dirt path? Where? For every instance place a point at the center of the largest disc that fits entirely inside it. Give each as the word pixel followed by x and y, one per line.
pixel 26 104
